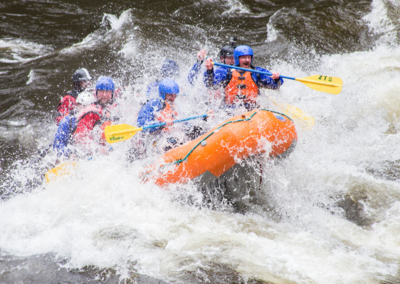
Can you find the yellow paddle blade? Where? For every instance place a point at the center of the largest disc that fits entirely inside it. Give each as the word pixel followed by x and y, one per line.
pixel 120 132
pixel 322 83
pixel 62 170
pixel 306 121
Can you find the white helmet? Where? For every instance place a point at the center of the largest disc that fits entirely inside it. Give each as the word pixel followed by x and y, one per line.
pixel 86 98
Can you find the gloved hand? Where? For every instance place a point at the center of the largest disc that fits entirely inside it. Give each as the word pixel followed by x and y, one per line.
pixel 210 114
pixel 275 75
pixel 209 64
pixel 201 54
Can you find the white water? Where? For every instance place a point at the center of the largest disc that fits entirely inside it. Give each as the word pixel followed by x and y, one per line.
pixel 21 51
pixel 380 23
pixel 102 215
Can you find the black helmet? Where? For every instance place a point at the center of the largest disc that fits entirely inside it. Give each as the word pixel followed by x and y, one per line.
pixel 81 75
pixel 227 50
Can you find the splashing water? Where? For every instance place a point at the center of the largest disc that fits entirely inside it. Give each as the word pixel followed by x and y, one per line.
pixel 326 214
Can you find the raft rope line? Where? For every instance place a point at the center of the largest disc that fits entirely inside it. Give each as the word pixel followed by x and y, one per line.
pixel 216 130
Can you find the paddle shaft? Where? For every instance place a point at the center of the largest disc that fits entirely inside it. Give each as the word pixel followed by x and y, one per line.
pixel 269 74
pixel 179 120
pixel 250 70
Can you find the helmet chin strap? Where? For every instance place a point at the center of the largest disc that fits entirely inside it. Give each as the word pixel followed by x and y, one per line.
pixel 77 86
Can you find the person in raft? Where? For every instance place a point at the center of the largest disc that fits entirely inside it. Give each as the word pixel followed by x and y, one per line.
pixel 161 109
pixel 80 80
pixel 225 55
pixel 86 123
pixel 169 70
pixel 240 88
pixel 155 111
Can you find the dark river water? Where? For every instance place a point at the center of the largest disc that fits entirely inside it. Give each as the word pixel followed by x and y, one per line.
pixel 333 212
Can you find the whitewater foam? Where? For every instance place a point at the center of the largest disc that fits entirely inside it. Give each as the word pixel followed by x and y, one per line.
pixel 380 24
pixel 103 215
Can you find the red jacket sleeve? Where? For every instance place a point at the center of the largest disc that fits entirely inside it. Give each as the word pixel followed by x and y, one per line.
pixel 67 104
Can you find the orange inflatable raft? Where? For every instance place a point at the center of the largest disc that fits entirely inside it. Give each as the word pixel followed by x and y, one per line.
pixel 215 152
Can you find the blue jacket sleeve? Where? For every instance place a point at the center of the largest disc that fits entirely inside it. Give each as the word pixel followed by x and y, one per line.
pixel 215 78
pixel 147 114
pixel 152 89
pixel 265 80
pixel 63 136
pixel 192 76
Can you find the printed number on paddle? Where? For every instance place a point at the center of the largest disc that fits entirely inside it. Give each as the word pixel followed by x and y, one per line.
pixel 325 78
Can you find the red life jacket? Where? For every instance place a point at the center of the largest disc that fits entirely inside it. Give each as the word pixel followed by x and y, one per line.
pixel 241 88
pixel 66 104
pixel 110 115
pixel 168 114
pixel 86 119
pixel 111 111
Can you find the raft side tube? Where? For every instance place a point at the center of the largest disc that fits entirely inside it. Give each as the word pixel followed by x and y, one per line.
pixel 235 139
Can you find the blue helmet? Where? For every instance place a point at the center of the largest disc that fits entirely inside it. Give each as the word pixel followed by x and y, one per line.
pixel 167 86
pixel 105 84
pixel 169 69
pixel 242 50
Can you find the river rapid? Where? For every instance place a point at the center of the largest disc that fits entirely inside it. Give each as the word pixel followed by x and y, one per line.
pixel 329 213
